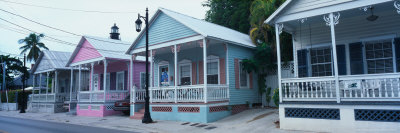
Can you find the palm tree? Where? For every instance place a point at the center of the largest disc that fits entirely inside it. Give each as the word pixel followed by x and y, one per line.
pixel 33 45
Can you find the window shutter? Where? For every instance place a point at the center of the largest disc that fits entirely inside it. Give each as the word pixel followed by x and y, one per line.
pixel 113 81
pixel 341 56
pixel 302 62
pixel 397 50
pixel 251 80
pixel 194 72
pixel 356 58
pixel 222 71
pixel 126 80
pixel 237 73
pixel 101 81
pixel 201 72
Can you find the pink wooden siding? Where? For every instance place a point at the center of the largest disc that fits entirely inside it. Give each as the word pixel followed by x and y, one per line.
pixel 138 67
pixel 237 73
pixel 222 71
pixel 194 72
pixel 86 52
pixel 201 72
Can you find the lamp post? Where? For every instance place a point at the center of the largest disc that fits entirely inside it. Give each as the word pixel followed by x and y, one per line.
pixel 147 118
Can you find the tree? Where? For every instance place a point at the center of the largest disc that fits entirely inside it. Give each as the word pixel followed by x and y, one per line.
pixel 33 45
pixel 233 14
pixel 15 67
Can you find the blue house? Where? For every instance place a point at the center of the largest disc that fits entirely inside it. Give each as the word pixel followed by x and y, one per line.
pixel 195 73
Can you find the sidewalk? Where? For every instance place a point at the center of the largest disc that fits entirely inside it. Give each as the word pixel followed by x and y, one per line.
pixel 250 121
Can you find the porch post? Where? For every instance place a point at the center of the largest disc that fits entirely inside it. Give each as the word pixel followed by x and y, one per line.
pixel 278 52
pixel 56 82
pixel 131 73
pixel 79 80
pixel 295 63
pixel 40 84
pixel 227 68
pixel 70 87
pixel 151 69
pixel 176 72
pixel 105 79
pixel 47 84
pixel 205 68
pixel 91 80
pixel 33 84
pixel 332 24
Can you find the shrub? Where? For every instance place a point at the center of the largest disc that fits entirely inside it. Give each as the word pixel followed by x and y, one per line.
pixel 275 97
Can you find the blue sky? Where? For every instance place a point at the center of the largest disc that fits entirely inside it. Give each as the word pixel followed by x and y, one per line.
pixel 84 23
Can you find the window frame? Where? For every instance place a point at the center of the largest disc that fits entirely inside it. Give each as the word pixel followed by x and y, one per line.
pixel 142 81
pixel 161 64
pixel 117 79
pixel 247 77
pixel 374 40
pixel 213 59
pixel 185 62
pixel 310 64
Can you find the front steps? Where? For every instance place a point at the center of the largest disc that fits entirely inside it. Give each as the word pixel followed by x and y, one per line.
pixel 138 115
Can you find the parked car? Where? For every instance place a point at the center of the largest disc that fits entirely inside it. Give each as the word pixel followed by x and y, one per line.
pixel 123 105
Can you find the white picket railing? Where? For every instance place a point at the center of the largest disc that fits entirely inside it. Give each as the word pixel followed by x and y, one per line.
pixel 190 93
pixel 368 87
pixel 98 96
pixel 137 95
pixel 52 97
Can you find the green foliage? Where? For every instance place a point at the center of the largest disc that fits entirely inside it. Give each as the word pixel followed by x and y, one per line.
pixel 233 14
pixel 12 96
pixel 275 97
pixel 14 68
pixel 33 45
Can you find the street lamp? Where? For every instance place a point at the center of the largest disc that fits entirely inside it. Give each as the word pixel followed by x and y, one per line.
pixel 147 118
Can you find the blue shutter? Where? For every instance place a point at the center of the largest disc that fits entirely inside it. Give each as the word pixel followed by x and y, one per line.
pixel 341 57
pixel 302 62
pixel 356 58
pixel 397 48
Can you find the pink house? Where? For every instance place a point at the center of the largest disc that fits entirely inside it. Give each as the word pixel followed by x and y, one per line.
pixel 110 74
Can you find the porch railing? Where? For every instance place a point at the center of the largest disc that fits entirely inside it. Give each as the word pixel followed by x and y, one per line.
pixel 53 97
pixel 137 95
pixel 98 96
pixel 369 87
pixel 192 93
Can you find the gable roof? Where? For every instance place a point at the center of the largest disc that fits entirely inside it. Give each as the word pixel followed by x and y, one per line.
pixel 203 28
pixel 57 59
pixel 108 48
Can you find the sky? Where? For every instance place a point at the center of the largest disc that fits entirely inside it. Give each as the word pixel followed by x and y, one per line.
pixel 83 17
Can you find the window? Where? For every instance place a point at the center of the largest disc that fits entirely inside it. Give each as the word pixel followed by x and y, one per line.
pixel 85 81
pixel 120 80
pixel 243 76
pixel 185 74
pixel 142 80
pixel 321 62
pixel 164 75
pixel 212 70
pixel 379 56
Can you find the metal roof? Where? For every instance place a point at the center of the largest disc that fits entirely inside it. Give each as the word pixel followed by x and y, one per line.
pixel 57 59
pixel 109 48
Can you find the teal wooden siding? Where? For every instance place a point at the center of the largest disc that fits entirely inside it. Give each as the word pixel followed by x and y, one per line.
pixel 194 55
pixel 165 28
pixel 240 96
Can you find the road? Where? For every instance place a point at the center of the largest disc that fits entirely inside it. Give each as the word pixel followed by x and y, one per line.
pixel 18 125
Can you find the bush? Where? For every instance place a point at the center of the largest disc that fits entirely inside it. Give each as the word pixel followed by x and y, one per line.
pixel 275 97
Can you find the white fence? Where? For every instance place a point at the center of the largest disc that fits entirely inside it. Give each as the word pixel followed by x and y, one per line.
pixel 98 96
pixel 53 97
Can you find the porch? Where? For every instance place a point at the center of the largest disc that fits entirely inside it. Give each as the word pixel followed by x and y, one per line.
pixel 348 55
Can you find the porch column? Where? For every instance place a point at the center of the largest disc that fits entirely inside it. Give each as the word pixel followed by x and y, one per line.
pixel 227 67
pixel 71 84
pixel 47 84
pixel 56 82
pixel 278 52
pixel 33 84
pixel 295 63
pixel 332 24
pixel 105 79
pixel 151 69
pixel 131 73
pixel 176 73
pixel 79 80
pixel 40 84
pixel 91 79
pixel 205 68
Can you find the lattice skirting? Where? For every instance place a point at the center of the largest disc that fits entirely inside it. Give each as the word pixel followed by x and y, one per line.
pixel 189 109
pixel 377 115
pixel 239 108
pixel 109 107
pixel 218 108
pixel 161 109
pixel 315 113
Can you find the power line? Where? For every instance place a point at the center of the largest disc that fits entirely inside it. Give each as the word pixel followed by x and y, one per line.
pixel 58 28
pixel 66 9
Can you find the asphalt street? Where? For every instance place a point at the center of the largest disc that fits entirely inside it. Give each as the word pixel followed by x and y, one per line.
pixel 18 125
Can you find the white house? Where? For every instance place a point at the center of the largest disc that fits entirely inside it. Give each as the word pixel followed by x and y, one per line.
pixel 347 64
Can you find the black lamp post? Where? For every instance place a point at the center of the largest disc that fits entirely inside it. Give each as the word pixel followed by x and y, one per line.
pixel 147 118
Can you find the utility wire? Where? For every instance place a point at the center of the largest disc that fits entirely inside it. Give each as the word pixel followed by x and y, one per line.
pixel 66 9
pixel 58 28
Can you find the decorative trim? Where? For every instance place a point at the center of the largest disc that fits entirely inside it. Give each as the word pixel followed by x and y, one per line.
pixel 335 19
pixel 377 115
pixel 280 28
pixel 365 8
pixel 397 6
pixel 189 109
pixel 161 109
pixel 313 113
